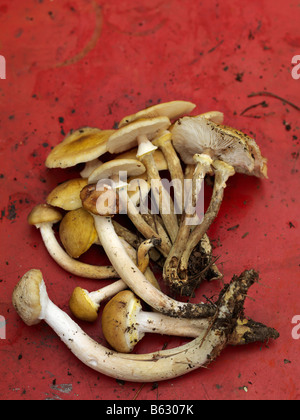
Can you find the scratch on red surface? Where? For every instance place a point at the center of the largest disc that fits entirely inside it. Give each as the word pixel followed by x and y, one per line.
pixel 91 43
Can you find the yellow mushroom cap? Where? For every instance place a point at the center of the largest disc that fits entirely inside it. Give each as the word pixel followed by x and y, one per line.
pixel 82 306
pixel 67 194
pixel 126 137
pixel 26 297
pixel 82 145
pixel 44 213
pixel 172 110
pixel 119 324
pixel 132 167
pixel 77 232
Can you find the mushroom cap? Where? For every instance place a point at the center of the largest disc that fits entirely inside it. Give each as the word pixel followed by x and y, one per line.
pixel 172 110
pixel 67 194
pixel 44 213
pixel 214 116
pixel 193 135
pixel 125 138
pixel 77 232
pixel 119 324
pixel 82 145
pixel 82 306
pixel 133 167
pixel 26 297
pixel 158 155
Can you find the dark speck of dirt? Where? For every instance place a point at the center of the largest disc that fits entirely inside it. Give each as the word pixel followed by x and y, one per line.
pixel 12 214
pixel 288 127
pixel 291 225
pixel 239 77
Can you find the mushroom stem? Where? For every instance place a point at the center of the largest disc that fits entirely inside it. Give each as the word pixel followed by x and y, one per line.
pixel 164 143
pixel 165 202
pixel 222 172
pixel 125 323
pixel 172 262
pixel 136 281
pixel 68 263
pixel 33 304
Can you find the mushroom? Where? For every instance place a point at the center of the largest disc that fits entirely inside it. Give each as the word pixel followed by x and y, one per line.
pixel 111 170
pixel 172 110
pixel 43 217
pixel 32 303
pixel 125 323
pixel 140 133
pixel 230 152
pixel 136 280
pixel 67 195
pixel 77 232
pixel 79 146
pixel 85 305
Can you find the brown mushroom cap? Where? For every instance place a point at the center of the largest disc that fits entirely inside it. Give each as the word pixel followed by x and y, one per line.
pixel 77 232
pixel 82 145
pixel 119 321
pixel 133 167
pixel 43 213
pixel 172 110
pixel 26 297
pixel 125 138
pixel 192 135
pixel 82 306
pixel 67 194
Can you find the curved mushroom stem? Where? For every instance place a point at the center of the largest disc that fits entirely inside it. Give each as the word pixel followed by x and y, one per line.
pixel 143 257
pixel 172 262
pixel 222 172
pixel 164 143
pixel 165 203
pixel 139 322
pixel 136 281
pixel 151 367
pixel 68 263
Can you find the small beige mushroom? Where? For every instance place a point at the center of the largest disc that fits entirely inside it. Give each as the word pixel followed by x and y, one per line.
pixel 125 323
pixel 79 146
pixel 67 195
pixel 172 110
pixel 43 217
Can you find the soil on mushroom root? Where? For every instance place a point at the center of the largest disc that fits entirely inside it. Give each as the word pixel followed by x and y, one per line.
pixel 200 268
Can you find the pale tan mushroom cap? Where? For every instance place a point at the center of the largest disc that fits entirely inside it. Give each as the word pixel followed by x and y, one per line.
pixel 26 297
pixel 77 232
pixel 44 213
pixel 126 137
pixel 193 135
pixel 67 194
pixel 172 110
pixel 158 156
pixel 132 167
pixel 82 306
pixel 79 146
pixel 119 321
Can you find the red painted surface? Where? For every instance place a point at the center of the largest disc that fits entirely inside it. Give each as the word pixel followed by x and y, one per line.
pixel 78 63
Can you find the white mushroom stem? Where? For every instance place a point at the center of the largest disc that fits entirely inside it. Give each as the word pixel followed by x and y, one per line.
pixel 69 264
pixel 107 292
pixel 222 172
pixel 135 279
pixel 165 202
pixel 190 216
pixel 161 365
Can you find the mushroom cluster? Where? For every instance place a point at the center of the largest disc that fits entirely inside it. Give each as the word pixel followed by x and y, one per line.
pixel 141 205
